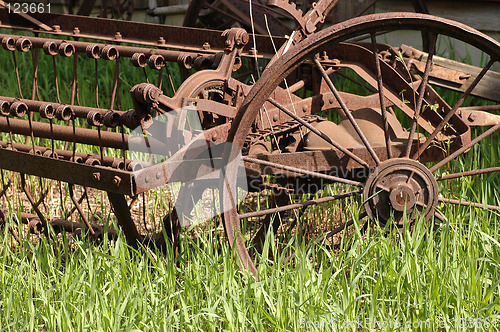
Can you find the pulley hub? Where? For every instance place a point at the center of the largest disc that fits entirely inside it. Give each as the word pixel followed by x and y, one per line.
pixel 400 188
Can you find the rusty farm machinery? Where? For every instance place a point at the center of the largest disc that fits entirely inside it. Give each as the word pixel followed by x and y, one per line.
pixel 321 115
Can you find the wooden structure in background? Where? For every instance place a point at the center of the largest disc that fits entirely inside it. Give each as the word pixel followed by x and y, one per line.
pixel 481 15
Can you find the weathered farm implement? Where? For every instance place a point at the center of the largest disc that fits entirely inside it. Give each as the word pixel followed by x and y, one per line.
pixel 332 106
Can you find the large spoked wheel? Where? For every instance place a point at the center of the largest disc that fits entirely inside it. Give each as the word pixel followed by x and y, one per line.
pixel 385 136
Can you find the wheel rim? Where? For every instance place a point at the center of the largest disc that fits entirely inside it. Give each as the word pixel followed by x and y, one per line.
pixel 416 146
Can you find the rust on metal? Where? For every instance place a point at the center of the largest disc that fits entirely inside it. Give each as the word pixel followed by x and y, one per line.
pixel 279 105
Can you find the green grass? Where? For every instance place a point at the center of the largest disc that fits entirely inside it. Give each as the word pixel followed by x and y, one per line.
pixel 428 275
pixel 448 272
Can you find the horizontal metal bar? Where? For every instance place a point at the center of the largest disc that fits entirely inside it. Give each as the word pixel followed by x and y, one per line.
pixel 467 203
pixel 468 173
pixel 64 133
pixel 299 205
pixel 302 171
pixel 123 51
pixel 157 35
pixel 103 178
pixel 68 155
pixel 79 111
pixel 81 135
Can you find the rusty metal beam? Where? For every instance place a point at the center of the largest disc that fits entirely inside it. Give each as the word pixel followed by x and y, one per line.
pixel 157 35
pixel 103 178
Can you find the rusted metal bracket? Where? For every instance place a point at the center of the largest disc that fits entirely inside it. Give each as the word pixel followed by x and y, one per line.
pixel 122 213
pixel 455 75
pixel 480 116
pixel 312 18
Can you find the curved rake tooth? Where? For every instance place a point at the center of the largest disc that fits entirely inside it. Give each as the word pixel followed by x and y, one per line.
pixel 290 8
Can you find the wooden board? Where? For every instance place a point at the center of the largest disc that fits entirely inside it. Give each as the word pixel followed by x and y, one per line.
pixel 482 15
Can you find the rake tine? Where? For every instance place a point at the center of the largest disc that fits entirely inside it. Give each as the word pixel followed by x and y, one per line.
pixel 3 220
pixel 61 199
pixel 80 200
pixel 160 78
pixel 14 234
pixel 87 198
pixel 144 212
pixel 133 201
pixel 10 132
pixel 6 186
pixel 74 81
pixel 30 119
pixel 17 75
pixel 52 136
pixel 55 79
pixel 115 83
pixel 41 200
pixel 80 211
pixel 74 138
pixel 34 85
pixel 96 84
pixel 27 191
pixel 124 148
pixel 101 149
pixel 170 79
pixel 145 74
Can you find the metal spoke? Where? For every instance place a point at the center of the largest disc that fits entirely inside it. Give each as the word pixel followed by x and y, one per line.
pixel 439 217
pixel 319 133
pixel 346 111
pixel 299 205
pixel 480 108
pixel 303 171
pixel 452 112
pixel 468 173
pixel 381 95
pixel 464 148
pixel 421 93
pixel 467 203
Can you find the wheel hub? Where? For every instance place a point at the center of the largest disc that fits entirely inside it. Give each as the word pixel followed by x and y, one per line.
pixel 400 188
pixel 402 196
